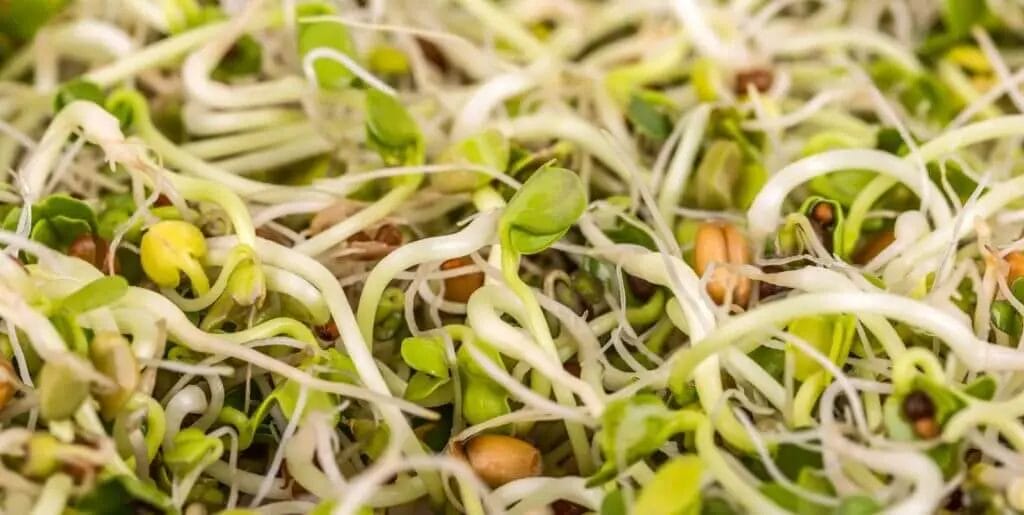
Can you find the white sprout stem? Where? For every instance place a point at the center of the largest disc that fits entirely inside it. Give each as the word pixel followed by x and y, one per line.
pixel 691 14
pixel 54 496
pixel 681 166
pixel 189 400
pixel 196 79
pixel 281 154
pixel 90 40
pixel 149 13
pixel 765 212
pixel 494 92
pixel 976 354
pixel 479 233
pixel 97 126
pixel 247 141
pixel 568 126
pixel 816 40
pixel 367 216
pixel 316 54
pixel 204 122
pixel 505 26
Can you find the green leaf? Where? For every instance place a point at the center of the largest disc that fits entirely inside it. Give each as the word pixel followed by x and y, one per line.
pixel 791 459
pixel 634 428
pixel 674 489
pixel 829 335
pixel 780 495
pixel 717 175
pixel 245 57
pixel 330 74
pixel 613 503
pixel 123 495
pixel 716 506
pixel 647 118
pixel 488 148
pixel 426 355
pixel 547 205
pixel 422 386
pixel 983 388
pixel 391 131
pixel 810 480
pixel 858 505
pixel 482 402
pixel 960 15
pixel 100 292
pixel 191 448
pixel 1005 318
pixel 77 89
pixel 20 19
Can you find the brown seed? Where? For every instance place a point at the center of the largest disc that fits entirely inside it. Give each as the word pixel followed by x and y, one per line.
pixel 926 428
pixel 876 245
pixel 1015 260
pixel 563 507
pixel 641 288
pixel 760 78
pixel 390 235
pixel 327 332
pixel 722 244
pixel 460 288
pixel 918 405
pixel 7 383
pixel 499 459
pixel 94 250
pixel 823 213
pixel 162 200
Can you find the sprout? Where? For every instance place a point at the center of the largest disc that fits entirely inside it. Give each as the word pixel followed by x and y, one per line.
pixel 60 391
pixel 171 248
pixel 391 131
pixel 489 149
pixel 542 211
pixel 112 356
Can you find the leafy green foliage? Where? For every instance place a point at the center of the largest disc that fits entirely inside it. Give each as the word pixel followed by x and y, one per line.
pixel 330 74
pixel 245 57
pixel 123 495
pixel 98 293
pixel 829 335
pixel 858 505
pixel 191 448
pixel 543 210
pixel 634 428
pixel 647 114
pixel 923 94
pixel 960 15
pixel 391 131
pixel 488 148
pixel 482 397
pixel 21 19
pixel 56 221
pixel 674 489
pixel 77 89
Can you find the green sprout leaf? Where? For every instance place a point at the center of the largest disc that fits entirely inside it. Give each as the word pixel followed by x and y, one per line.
pixel 21 19
pixel 488 148
pixel 426 355
pixel 634 428
pixel 191 448
pixel 77 89
pixel 960 15
pixel 674 490
pixel 829 335
pixel 245 57
pixel 98 293
pixel 56 221
pixel 543 210
pixel 427 390
pixel 123 495
pixel 391 131
pixel 330 74
pixel 858 505
pixel 648 117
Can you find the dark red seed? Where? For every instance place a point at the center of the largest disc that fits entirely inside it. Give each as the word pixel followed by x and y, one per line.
pixel 641 288
pixel 327 332
pixel 918 405
pixel 563 507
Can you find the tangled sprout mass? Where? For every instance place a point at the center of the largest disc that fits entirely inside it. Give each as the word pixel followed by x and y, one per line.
pixel 656 257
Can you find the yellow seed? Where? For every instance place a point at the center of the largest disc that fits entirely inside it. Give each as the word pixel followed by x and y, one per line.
pixel 499 459
pixel 720 243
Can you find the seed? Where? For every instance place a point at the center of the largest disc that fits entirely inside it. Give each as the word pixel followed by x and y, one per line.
pixel 92 249
pixel 917 406
pixel 460 288
pixel 113 357
pixel 327 332
pixel 721 243
pixel 60 391
pixel 1015 260
pixel 877 244
pixel 563 507
pixel 823 213
pixel 641 288
pixel 926 428
pixel 760 78
pixel 7 383
pixel 390 235
pixel 499 459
